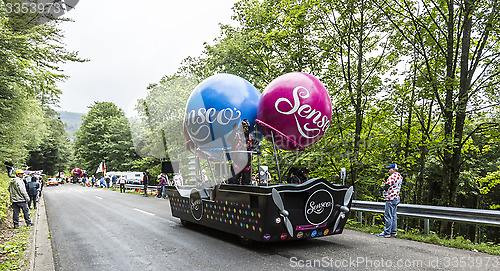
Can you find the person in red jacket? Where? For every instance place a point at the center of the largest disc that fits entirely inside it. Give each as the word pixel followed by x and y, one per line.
pixel 391 188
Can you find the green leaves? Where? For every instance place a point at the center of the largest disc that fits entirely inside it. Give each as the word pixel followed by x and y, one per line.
pixel 104 136
pixel 30 58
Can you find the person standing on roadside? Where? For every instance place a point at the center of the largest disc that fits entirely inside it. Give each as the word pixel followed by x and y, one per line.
pixel 391 188
pixel 19 198
pixel 33 187
pixel 108 180
pixel 162 184
pixel 145 180
pixel 114 179
pixel 41 186
pixel 9 166
pixel 27 179
pixel 122 181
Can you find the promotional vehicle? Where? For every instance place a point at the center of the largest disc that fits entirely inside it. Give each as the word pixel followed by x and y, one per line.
pixel 225 119
pixel 266 213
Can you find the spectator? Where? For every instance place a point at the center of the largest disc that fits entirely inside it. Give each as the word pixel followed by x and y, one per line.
pixel 27 179
pixel 41 186
pixel 93 181
pixel 108 180
pixel 102 182
pixel 114 179
pixel 145 180
pixel 33 187
pixel 19 198
pixel 391 196
pixel 161 186
pixel 122 181
pixel 9 165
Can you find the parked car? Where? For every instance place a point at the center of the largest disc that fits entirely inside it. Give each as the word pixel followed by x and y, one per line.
pixel 51 181
pixel 134 181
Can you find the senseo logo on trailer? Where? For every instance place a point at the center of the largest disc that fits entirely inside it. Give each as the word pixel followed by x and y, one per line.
pixel 196 204
pixel 315 123
pixel 319 207
pixel 204 118
pixel 295 110
pixel 216 105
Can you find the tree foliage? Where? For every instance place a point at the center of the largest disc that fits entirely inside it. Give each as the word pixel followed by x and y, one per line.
pixel 158 129
pixel 104 136
pixel 53 154
pixel 29 70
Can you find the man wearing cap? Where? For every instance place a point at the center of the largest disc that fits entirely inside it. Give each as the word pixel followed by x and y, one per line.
pixel 19 198
pixel 391 196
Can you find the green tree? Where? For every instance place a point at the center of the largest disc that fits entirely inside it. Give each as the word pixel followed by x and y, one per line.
pixel 104 136
pixel 51 154
pixel 29 69
pixel 158 130
pixel 457 49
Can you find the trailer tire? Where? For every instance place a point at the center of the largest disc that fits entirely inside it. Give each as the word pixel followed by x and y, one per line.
pixel 245 241
pixel 185 223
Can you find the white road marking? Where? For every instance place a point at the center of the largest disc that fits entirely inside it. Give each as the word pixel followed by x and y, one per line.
pixel 98 197
pixel 144 212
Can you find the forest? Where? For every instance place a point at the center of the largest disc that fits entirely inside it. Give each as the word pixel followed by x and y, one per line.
pixel 411 82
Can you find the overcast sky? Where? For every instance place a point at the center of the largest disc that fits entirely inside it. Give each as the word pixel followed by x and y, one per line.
pixel 131 44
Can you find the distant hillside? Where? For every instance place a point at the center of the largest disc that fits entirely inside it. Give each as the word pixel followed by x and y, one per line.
pixel 72 120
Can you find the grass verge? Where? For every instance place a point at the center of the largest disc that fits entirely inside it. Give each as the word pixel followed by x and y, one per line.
pixel 13 252
pixel 14 243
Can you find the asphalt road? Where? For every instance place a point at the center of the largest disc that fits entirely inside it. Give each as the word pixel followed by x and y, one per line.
pixel 96 229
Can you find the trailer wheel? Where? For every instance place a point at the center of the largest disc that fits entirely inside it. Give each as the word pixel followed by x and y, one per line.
pixel 185 223
pixel 245 241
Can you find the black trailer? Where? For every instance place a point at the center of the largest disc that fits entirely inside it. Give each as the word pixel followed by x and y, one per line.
pixel 271 213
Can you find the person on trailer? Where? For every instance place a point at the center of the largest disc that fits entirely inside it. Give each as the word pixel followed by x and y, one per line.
pixel 298 175
pixel 204 178
pixel 241 143
pixel 304 174
pixel 293 175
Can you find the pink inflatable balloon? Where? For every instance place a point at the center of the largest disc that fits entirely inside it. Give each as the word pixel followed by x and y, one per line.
pixel 77 172
pixel 297 108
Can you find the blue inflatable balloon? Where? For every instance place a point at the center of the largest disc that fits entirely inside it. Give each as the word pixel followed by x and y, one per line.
pixel 216 104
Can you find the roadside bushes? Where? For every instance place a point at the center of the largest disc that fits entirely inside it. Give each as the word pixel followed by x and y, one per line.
pixel 4 195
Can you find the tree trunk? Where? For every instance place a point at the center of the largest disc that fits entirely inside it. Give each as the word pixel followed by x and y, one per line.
pixel 358 106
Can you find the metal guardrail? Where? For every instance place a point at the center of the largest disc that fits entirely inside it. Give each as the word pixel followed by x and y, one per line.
pixel 138 186
pixel 475 216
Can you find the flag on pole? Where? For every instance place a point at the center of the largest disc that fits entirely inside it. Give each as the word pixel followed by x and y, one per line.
pixel 100 168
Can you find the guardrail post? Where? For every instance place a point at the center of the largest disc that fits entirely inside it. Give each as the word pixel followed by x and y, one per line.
pixel 360 217
pixel 426 226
